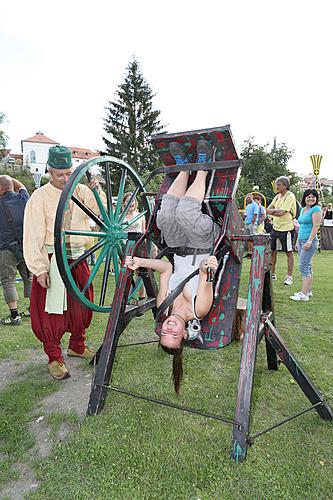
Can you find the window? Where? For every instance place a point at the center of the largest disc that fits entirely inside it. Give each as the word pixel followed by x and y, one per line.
pixel 32 156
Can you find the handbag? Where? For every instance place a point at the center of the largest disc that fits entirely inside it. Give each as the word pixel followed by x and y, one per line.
pixel 16 246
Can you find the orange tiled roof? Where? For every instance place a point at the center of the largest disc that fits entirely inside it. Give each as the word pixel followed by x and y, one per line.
pixel 40 138
pixel 16 156
pixel 82 153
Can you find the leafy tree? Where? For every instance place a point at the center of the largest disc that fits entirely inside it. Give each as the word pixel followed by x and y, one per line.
pixel 25 176
pixel 3 137
pixel 262 166
pixel 131 120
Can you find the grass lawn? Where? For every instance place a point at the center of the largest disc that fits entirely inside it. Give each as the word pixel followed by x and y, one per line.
pixel 135 449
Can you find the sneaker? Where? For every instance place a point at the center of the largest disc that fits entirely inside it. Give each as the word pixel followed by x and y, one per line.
pixel 300 296
pixel 204 151
pixel 178 152
pixel 25 314
pixel 274 277
pixel 58 370
pixel 9 321
pixel 87 354
pixel 289 280
pixel 310 294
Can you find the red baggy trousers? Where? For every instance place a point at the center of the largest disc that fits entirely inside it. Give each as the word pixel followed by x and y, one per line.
pixel 49 328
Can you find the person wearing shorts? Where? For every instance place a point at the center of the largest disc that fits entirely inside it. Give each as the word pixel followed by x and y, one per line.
pixel 251 214
pixel 283 210
pixel 183 224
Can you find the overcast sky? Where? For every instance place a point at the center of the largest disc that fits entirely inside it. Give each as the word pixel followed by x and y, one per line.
pixel 262 66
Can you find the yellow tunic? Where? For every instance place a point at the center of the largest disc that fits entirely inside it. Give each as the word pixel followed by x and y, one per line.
pixel 38 226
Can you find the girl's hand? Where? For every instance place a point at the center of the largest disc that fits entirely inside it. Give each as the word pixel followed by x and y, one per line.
pixel 307 245
pixel 211 263
pixel 94 184
pixel 132 263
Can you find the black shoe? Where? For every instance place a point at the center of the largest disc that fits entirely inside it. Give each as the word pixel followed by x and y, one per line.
pixel 178 152
pixel 204 151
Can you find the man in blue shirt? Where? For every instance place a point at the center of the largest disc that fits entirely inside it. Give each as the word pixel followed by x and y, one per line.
pixel 13 198
pixel 251 214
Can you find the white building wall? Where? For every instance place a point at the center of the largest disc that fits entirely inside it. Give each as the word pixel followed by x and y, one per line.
pixel 35 151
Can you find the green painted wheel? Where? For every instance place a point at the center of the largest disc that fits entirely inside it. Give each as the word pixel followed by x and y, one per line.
pixel 108 218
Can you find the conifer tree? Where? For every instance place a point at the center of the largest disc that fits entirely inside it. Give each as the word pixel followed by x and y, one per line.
pixel 131 120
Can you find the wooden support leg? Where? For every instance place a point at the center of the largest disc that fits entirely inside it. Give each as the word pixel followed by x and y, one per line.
pixel 268 308
pixel 291 363
pixel 249 349
pixel 107 353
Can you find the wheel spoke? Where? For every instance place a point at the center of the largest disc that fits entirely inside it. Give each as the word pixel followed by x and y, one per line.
pixel 86 254
pixel 89 212
pixel 80 232
pixel 132 221
pixel 109 191
pixel 101 207
pixel 121 193
pixel 128 204
pixel 105 277
pixel 95 269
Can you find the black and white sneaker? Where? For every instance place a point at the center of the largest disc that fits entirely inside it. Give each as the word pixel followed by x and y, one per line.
pixel 9 321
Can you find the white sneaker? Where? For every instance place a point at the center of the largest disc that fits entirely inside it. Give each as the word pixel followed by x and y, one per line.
pixel 288 280
pixel 274 277
pixel 300 296
pixel 310 294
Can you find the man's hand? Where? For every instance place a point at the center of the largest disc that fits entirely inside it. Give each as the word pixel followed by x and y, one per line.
pixel 94 184
pixel 211 263
pixel 17 184
pixel 132 263
pixel 44 280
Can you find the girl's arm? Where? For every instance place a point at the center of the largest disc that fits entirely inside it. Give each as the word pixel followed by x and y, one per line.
pixel 161 266
pixel 316 220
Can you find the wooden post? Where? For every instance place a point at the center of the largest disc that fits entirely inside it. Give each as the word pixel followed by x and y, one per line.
pixel 249 348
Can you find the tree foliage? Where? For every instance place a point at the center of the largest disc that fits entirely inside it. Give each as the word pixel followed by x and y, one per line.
pixel 3 136
pixel 262 166
pixel 24 176
pixel 131 120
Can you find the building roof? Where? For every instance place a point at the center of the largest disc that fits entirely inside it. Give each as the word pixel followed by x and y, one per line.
pixel 41 138
pixel 7 152
pixel 82 153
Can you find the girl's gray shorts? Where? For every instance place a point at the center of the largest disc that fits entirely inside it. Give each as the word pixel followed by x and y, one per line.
pixel 183 224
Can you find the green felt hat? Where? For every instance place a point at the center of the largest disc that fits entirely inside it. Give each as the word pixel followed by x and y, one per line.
pixel 60 157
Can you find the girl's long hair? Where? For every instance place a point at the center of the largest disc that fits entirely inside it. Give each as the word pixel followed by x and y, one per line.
pixel 177 364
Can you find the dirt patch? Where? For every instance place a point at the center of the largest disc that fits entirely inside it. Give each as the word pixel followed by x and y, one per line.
pixel 73 395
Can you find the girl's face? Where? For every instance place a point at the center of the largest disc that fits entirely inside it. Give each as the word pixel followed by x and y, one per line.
pixel 310 200
pixel 133 205
pixel 173 332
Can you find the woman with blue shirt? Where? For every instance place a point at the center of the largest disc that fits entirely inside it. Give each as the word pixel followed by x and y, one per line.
pixel 309 221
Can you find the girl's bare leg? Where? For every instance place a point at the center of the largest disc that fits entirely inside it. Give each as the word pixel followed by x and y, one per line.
pixel 179 185
pixel 198 187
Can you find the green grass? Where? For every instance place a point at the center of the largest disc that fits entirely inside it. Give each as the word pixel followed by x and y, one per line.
pixel 135 449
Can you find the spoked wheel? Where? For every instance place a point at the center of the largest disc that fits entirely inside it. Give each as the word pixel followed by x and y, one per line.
pixel 96 225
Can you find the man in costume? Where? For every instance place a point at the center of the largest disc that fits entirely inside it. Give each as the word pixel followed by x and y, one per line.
pixel 53 311
pixel 13 199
